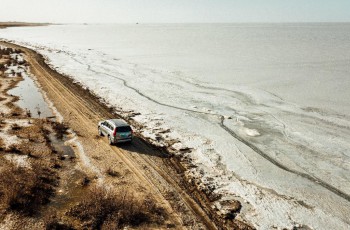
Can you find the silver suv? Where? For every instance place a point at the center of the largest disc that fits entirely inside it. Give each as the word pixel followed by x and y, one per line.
pixel 116 130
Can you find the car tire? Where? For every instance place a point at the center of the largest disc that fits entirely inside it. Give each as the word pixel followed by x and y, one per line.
pixel 100 132
pixel 110 140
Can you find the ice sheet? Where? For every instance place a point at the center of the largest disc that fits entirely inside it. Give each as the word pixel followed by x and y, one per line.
pixel 287 160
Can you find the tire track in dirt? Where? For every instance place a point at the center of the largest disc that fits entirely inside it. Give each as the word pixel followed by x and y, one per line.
pixel 77 105
pixel 175 188
pixel 87 116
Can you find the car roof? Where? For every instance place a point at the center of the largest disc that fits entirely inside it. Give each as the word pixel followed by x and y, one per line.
pixel 118 122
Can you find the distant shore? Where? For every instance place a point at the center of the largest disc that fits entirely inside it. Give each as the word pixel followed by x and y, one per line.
pixel 4 25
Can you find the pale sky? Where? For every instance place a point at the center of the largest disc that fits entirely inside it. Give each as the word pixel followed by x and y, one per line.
pixel 174 11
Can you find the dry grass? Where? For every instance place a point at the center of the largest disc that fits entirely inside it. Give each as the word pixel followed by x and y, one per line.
pixel 104 209
pixel 60 129
pixel 13 149
pixel 25 190
pixel 85 181
pixel 15 127
pixel 113 173
pixel 52 221
pixel 2 67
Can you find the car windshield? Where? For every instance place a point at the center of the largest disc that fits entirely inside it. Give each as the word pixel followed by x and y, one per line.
pixel 123 129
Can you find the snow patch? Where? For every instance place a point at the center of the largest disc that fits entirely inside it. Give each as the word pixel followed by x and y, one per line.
pixel 251 132
pixel 19 160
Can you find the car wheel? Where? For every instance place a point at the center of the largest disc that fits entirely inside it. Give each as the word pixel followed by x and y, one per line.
pixel 100 132
pixel 110 140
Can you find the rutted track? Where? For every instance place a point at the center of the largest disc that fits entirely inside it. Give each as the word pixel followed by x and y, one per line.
pixel 83 110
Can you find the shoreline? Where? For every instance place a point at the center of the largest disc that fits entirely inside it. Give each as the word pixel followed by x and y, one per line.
pixel 201 197
pixel 4 25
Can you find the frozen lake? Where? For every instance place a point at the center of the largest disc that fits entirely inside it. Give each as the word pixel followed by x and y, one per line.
pixel 265 107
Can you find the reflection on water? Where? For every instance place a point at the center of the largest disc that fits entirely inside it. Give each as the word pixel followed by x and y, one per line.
pixel 31 98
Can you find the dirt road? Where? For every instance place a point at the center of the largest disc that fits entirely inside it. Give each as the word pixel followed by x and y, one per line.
pixel 140 167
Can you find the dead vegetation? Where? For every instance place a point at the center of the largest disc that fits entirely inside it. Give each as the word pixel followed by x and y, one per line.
pixel 105 209
pixel 25 190
pixel 60 129
pixel 113 173
pixel 53 222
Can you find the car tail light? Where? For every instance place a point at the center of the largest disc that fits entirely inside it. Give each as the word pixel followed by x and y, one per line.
pixel 115 132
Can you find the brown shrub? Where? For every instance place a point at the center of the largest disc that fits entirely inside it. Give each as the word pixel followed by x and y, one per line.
pixel 2 68
pixel 53 222
pixel 15 127
pixel 13 149
pixel 60 129
pixel 104 209
pixel 113 173
pixel 24 190
pixel 85 181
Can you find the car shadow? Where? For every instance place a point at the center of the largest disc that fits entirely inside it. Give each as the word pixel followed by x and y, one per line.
pixel 140 146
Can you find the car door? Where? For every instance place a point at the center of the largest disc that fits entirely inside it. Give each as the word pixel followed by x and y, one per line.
pixel 109 129
pixel 104 128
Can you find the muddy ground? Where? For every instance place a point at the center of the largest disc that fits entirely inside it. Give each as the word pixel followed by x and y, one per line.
pixel 90 172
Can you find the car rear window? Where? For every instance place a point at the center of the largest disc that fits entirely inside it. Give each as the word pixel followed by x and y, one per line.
pixel 123 129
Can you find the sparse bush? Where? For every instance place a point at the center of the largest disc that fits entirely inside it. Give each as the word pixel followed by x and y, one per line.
pixel 15 127
pixel 28 113
pixel 2 67
pixel 60 129
pixel 112 172
pixel 104 209
pixel 13 149
pixel 52 222
pixel 15 114
pixel 85 181
pixel 8 62
pixel 22 62
pixel 56 225
pixel 24 190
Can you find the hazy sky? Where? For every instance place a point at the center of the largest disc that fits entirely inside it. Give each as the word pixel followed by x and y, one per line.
pixel 143 11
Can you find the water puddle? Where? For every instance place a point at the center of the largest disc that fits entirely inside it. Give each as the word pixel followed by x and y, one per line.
pixel 70 188
pixel 69 191
pixel 63 150
pixel 31 98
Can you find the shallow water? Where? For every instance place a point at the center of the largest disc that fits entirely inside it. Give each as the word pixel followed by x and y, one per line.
pixel 70 189
pixel 30 98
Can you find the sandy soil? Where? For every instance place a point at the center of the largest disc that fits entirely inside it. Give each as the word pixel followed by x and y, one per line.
pixel 140 167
